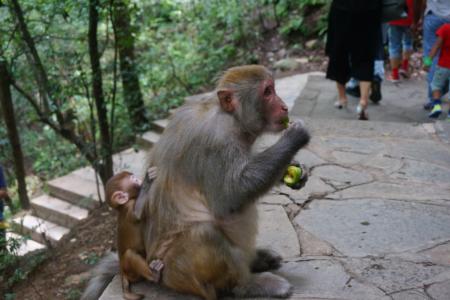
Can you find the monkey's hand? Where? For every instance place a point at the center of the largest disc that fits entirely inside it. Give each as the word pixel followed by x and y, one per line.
pixel 298 134
pixel 150 176
pixel 156 267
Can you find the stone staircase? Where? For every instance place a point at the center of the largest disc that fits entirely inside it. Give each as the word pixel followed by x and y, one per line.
pixel 70 198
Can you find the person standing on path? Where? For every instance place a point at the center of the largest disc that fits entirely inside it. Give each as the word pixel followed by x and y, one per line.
pixel 401 44
pixel 442 73
pixel 435 14
pixel 353 26
pixel 3 196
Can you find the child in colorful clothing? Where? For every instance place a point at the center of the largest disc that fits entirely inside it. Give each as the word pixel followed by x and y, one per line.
pixel 442 73
pixel 400 34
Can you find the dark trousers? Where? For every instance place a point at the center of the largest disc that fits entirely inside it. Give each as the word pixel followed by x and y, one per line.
pixel 352 44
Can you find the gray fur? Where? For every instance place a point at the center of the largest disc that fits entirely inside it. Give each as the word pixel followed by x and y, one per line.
pixel 103 273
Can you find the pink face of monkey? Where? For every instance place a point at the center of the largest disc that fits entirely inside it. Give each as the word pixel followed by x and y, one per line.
pixel 275 110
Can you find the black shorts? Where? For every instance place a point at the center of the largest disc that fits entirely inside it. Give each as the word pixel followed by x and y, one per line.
pixel 352 44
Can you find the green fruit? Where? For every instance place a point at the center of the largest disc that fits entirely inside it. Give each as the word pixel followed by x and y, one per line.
pixel 293 175
pixel 285 121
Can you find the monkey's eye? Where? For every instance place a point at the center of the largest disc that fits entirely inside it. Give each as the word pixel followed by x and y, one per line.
pixel 267 91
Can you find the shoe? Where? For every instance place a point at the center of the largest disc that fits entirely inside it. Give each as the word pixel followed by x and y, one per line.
pixel 362 114
pixel 435 112
pixel 340 105
pixel 393 78
pixel 353 91
pixel 428 105
pixel 375 95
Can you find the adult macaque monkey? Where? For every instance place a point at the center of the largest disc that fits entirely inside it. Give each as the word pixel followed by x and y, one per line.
pixel 200 215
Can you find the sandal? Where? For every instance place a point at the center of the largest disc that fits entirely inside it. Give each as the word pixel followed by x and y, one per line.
pixel 362 114
pixel 340 105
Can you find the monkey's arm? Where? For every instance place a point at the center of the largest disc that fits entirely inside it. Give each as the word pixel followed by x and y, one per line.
pixel 248 179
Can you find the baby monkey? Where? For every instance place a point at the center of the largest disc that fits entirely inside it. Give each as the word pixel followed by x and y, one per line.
pixel 122 191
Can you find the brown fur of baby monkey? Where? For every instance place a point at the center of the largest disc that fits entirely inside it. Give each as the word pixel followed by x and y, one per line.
pixel 122 191
pixel 204 197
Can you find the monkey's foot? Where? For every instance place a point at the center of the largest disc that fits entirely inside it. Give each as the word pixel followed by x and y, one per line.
pixel 265 285
pixel 156 267
pixel 132 296
pixel 266 260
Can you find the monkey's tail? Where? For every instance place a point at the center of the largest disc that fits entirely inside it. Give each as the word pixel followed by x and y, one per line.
pixel 103 273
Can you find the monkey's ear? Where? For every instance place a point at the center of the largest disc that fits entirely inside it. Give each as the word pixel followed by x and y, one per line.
pixel 227 100
pixel 119 198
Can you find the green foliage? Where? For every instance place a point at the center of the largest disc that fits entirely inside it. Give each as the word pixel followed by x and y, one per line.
pixel 181 46
pixel 73 294
pixel 90 258
pixel 13 268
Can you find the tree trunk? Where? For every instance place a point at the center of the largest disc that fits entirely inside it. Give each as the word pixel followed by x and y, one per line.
pixel 13 136
pixel 106 167
pixel 130 81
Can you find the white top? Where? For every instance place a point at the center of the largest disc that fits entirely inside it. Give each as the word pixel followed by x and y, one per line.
pixel 440 8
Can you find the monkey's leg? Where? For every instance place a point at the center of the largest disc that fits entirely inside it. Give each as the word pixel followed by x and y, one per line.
pixel 126 289
pixel 265 260
pixel 264 285
pixel 136 264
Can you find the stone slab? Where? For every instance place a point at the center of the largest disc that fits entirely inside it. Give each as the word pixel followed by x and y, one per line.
pixel 275 199
pixel 77 190
pixel 425 172
pixel 148 139
pixel 395 275
pixel 40 229
pixel 160 125
pixel 341 177
pixel 276 232
pixel 440 290
pixel 58 211
pixel 26 245
pixel 358 228
pixel 402 190
pixel 326 279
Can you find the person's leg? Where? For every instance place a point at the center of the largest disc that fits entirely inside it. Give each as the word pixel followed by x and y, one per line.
pixel 337 50
pixel 378 72
pixel 407 51
pixel 395 46
pixel 367 27
pixel 342 96
pixel 352 88
pixel 439 80
pixel 430 25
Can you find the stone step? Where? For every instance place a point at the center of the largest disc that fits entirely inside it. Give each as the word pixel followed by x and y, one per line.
pixel 58 211
pixel 76 190
pixel 160 125
pixel 131 160
pixel 39 229
pixel 25 246
pixel 148 139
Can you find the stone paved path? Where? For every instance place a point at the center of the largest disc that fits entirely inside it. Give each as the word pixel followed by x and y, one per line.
pixel 373 221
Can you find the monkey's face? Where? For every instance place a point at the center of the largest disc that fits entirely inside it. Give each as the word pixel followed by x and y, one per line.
pixel 274 109
pixel 132 185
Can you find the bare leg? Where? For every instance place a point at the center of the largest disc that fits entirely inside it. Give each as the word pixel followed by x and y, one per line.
pixel 342 96
pixel 364 87
pixel 266 260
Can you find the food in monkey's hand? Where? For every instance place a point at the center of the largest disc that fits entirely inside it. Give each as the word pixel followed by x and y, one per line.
pixel 295 177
